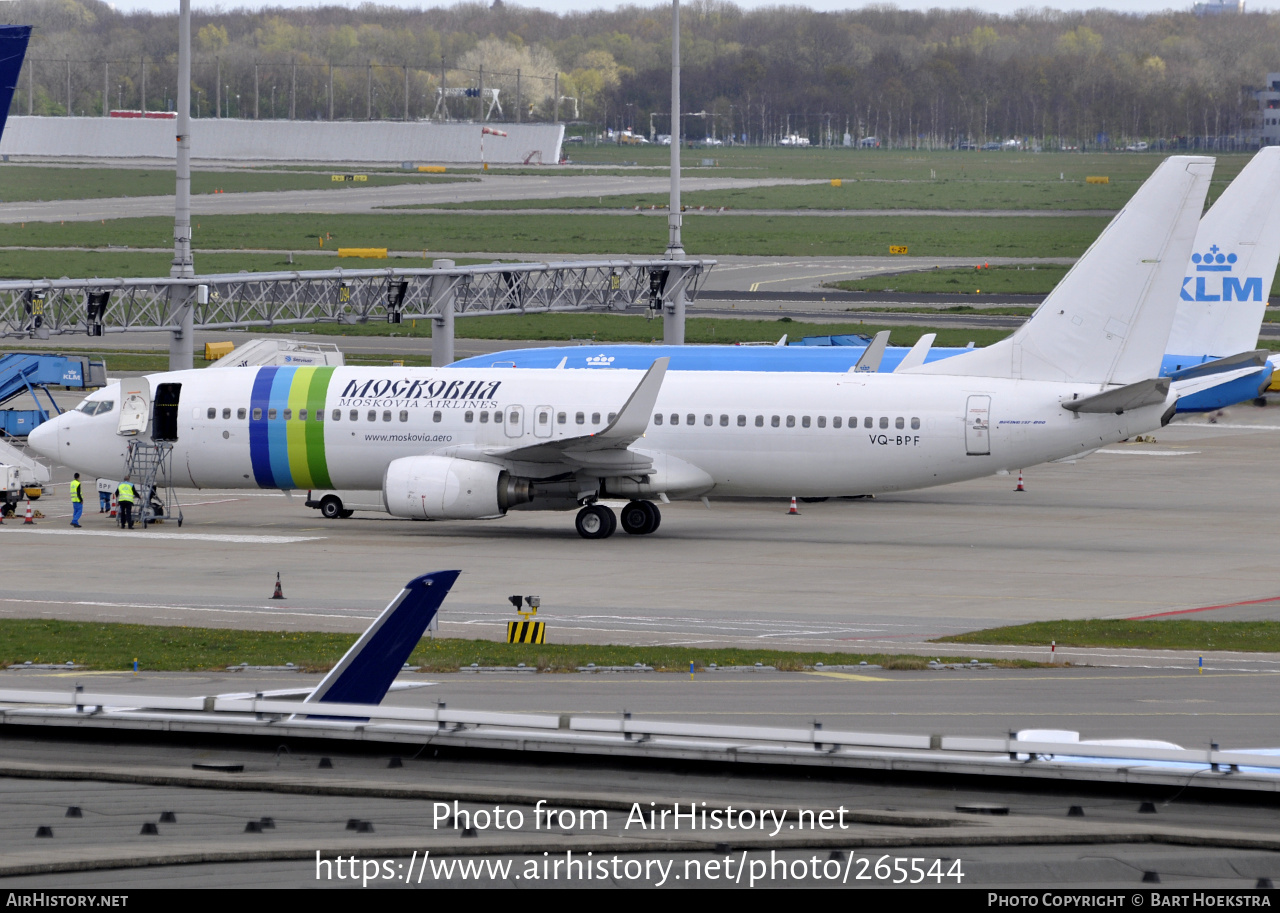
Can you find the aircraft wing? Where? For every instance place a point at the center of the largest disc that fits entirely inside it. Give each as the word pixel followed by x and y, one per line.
pixel 608 447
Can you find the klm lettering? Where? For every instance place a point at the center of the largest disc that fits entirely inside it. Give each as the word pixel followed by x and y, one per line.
pixel 1232 289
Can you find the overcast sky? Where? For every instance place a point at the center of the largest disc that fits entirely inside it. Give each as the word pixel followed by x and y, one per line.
pixel 562 6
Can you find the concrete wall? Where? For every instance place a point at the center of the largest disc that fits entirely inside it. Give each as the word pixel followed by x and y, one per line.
pixel 280 140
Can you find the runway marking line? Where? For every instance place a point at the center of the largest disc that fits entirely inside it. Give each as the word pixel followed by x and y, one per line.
pixel 849 676
pixel 1207 608
pixel 1168 453
pixel 150 534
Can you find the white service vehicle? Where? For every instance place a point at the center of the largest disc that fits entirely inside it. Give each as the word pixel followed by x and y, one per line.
pixel 338 505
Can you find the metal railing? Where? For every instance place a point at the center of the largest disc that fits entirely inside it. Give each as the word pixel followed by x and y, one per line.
pixel 49 307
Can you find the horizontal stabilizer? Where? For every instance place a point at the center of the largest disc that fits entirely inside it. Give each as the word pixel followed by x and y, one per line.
pixel 869 363
pixel 1192 385
pixel 1122 399
pixel 366 672
pixel 1255 359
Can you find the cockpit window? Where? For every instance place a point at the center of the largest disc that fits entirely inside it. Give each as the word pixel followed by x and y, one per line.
pixel 96 407
pixel 87 407
pixel 105 406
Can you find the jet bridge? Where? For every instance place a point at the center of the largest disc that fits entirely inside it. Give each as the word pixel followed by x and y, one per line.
pixel 44 308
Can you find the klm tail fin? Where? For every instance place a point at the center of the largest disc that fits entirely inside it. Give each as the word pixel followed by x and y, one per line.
pixel 1227 283
pixel 365 674
pixel 1108 320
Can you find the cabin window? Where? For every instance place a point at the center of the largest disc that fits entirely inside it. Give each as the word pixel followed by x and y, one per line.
pixel 915 424
pixel 791 421
pixel 884 421
pixel 822 421
pixel 436 416
pixel 899 423
pixel 691 419
pixel 353 415
pixel 484 418
pixel 595 418
pixel 212 413
pixel 675 419
pixel 226 413
pixel 336 415
pixel 657 418
pixel 804 422
pixel 742 421
pixel 257 415
pixel 775 421
pixel 288 415
pixel 468 417
pixel 240 413
pixel 724 421
pixel 404 415
pixel 302 415
pixel 759 421
pixel 868 422
pixel 514 416
pixel 580 418
pixel 835 422
pixel 543 417
pixel 561 418
pixel 707 420
pixel 373 415
pixel 271 415
pixel 386 415
pixel 612 416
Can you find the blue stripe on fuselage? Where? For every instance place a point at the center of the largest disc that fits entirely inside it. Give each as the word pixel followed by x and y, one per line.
pixel 259 440
pixel 277 432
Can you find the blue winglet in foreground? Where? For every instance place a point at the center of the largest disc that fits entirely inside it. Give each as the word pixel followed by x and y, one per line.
pixel 365 673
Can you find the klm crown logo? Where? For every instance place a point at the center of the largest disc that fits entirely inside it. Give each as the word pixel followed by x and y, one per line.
pixel 1230 288
pixel 599 361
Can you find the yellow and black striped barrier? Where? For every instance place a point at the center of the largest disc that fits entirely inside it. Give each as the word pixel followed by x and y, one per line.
pixel 525 632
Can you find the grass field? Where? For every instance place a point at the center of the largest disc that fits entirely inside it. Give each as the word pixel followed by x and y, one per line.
pixel 589 235
pixel 994 280
pixel 81 264
pixel 101 646
pixel 1163 634
pixel 35 182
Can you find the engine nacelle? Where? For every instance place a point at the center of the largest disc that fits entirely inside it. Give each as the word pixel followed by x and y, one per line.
pixel 447 488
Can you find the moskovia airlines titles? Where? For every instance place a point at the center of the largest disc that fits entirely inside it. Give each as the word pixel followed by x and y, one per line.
pixel 472 444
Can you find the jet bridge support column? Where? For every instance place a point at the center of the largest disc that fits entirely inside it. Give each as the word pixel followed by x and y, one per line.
pixel 443 295
pixel 182 339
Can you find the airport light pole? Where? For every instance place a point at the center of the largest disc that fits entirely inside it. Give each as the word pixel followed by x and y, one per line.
pixel 673 311
pixel 181 344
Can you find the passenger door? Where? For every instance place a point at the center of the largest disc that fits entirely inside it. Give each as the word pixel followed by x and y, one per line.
pixel 977 426
pixel 513 421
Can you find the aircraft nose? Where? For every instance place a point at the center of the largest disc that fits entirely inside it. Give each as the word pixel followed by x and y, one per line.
pixel 43 439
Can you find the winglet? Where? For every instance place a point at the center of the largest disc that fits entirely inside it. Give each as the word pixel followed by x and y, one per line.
pixel 633 418
pixel 366 672
pixel 917 353
pixel 869 363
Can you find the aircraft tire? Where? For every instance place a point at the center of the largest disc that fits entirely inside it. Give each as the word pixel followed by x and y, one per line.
pixel 655 514
pixel 637 518
pixel 596 521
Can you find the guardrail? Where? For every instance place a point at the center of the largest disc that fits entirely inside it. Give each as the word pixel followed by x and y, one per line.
pixel 623 733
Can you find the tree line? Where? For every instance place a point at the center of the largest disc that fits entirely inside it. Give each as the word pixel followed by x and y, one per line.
pixel 928 79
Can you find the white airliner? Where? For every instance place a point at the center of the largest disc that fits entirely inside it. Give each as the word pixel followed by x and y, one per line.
pixel 472 444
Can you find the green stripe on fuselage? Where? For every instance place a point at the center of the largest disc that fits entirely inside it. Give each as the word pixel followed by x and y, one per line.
pixel 316 461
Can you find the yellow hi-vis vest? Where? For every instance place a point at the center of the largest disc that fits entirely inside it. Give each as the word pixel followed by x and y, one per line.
pixel 75 491
pixel 126 493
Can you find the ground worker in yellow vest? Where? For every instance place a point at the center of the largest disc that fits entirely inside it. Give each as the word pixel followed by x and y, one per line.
pixel 126 495
pixel 77 502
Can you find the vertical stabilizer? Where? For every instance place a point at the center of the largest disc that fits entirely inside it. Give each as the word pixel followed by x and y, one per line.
pixel 373 662
pixel 1108 320
pixel 1227 283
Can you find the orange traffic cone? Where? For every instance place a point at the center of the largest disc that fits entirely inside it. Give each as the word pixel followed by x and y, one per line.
pixel 793 512
pixel 115 506
pixel 1019 488
pixel 279 593
pixel 29 520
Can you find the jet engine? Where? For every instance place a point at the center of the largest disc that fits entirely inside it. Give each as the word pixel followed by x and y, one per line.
pixel 448 488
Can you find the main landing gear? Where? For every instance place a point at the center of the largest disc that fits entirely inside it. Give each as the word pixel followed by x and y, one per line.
pixel 639 518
